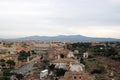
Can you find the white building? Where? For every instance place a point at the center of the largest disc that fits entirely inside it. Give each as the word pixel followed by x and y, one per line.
pixel 77 67
pixel 43 74
pixel 60 65
pixel 70 55
pixel 76 52
pixel 85 55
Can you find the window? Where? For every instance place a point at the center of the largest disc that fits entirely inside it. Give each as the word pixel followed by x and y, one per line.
pixel 80 77
pixel 74 77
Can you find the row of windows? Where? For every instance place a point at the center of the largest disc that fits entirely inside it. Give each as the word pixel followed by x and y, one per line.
pixel 76 77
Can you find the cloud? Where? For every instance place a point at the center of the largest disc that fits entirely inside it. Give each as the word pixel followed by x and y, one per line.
pixel 54 17
pixel 101 31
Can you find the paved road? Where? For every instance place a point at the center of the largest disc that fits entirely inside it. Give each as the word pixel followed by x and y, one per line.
pixel 27 67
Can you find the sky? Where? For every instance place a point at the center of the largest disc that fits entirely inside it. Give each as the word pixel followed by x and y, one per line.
pixel 93 18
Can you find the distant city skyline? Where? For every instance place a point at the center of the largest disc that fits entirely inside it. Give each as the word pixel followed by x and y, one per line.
pixel 92 18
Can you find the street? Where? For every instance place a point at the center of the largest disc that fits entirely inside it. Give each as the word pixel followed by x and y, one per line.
pixel 27 67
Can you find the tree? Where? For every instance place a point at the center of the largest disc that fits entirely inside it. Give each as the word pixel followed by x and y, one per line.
pixel 19 76
pixel 98 70
pixel 2 63
pixel 6 72
pixel 33 52
pixel 2 60
pixel 2 78
pixel 82 61
pixel 11 63
pixel 45 63
pixel 110 52
pixel 51 67
pixel 60 72
pixel 23 55
pixel 115 57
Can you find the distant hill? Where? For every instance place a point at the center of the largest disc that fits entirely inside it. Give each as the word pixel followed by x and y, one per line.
pixel 67 38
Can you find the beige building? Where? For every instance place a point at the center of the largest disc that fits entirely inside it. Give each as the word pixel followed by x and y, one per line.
pixel 76 76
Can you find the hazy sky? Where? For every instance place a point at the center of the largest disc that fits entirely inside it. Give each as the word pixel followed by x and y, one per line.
pixel 94 18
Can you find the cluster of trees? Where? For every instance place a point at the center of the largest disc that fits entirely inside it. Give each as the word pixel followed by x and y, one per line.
pixel 81 47
pixel 92 64
pixel 7 70
pixel 10 63
pixel 23 55
pixel 7 73
pixel 60 72
pixel 98 50
pixel 45 63
pixel 106 51
pixel 7 44
pixel 98 70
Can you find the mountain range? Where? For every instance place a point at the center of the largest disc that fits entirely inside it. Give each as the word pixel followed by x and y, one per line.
pixel 66 38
